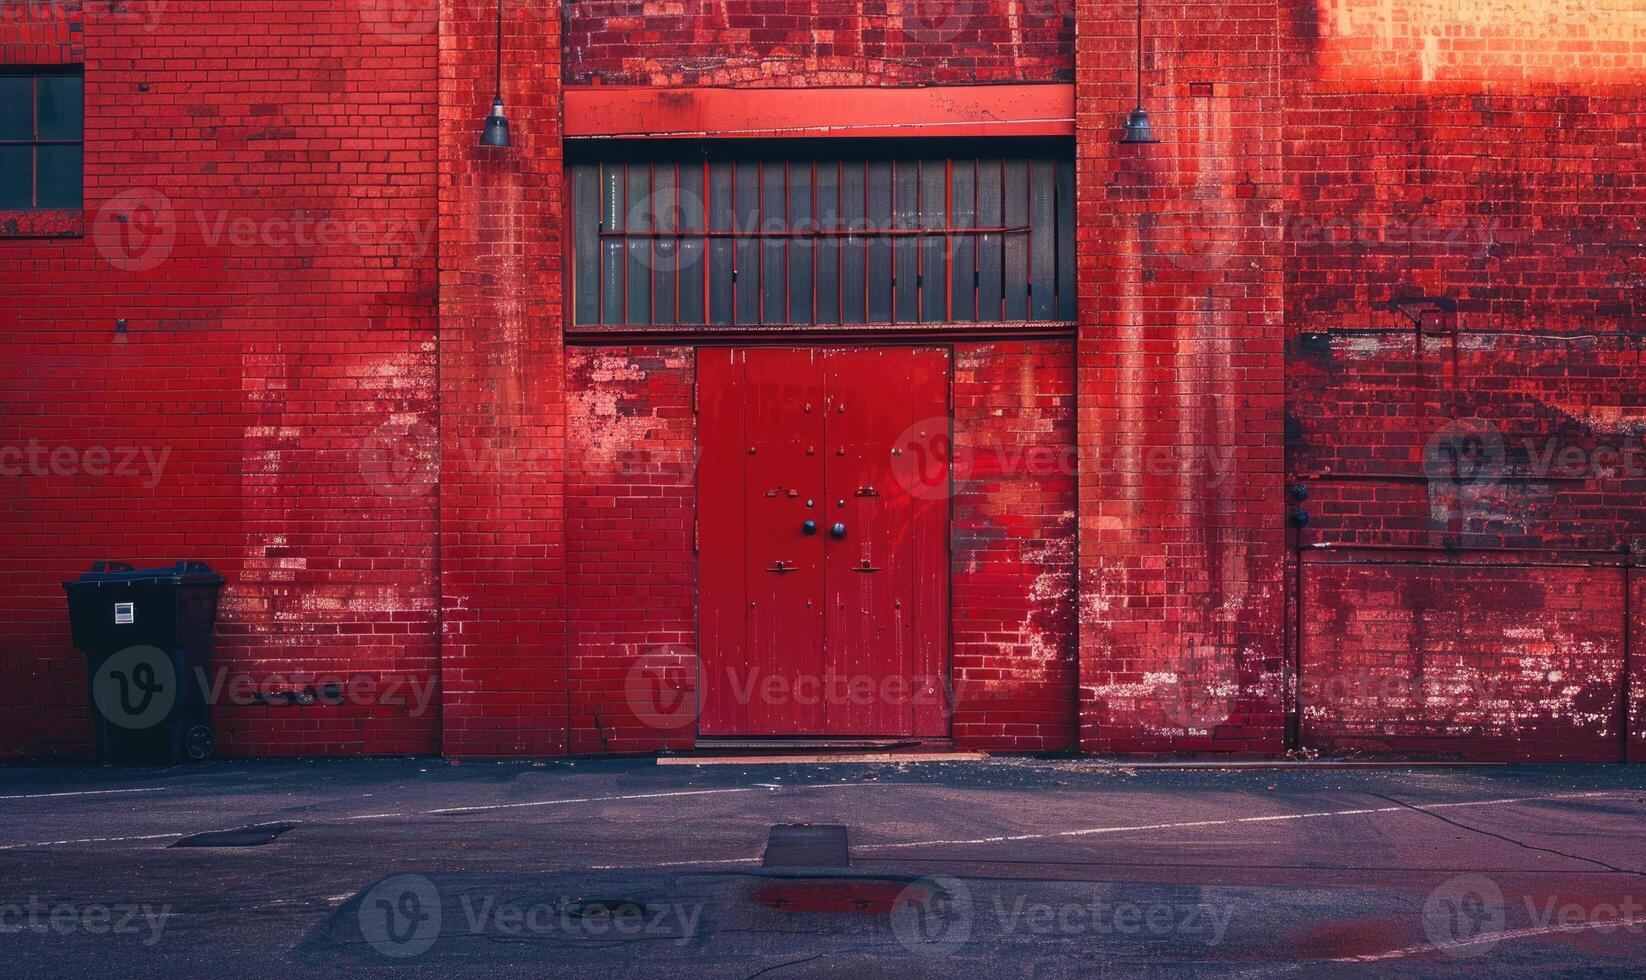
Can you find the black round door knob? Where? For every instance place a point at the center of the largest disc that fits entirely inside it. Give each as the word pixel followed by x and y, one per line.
pixel 810 527
pixel 838 530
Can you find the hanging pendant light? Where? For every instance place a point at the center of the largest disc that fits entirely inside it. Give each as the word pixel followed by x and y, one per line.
pixel 496 132
pixel 1137 122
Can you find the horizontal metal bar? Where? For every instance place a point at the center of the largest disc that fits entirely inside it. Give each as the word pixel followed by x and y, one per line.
pixel 823 233
pixel 746 334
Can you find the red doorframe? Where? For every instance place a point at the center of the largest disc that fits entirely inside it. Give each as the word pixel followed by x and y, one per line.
pixel 595 112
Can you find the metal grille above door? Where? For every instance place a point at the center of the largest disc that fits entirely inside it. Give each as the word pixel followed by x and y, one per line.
pixel 889 239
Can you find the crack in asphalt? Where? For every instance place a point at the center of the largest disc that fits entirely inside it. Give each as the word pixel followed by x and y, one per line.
pixel 779 966
pixel 1507 839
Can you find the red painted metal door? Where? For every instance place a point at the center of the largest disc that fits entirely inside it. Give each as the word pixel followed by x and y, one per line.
pixel 823 579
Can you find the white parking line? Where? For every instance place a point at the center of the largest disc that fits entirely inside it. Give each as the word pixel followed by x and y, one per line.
pixel 1489 939
pixel 479 808
pixel 1228 822
pixel 92 840
pixel 85 792
pixel 587 799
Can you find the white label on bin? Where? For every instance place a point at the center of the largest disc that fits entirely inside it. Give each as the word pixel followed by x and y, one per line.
pixel 125 613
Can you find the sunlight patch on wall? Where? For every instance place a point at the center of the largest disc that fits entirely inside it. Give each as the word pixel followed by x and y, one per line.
pixel 1503 42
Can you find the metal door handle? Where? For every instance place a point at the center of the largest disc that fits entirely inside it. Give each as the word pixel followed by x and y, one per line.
pixel 837 530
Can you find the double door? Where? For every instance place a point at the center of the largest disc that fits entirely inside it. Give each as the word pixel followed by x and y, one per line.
pixel 823 541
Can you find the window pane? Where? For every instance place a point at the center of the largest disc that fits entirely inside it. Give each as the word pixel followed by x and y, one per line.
pixel 752 241
pixel 774 252
pixel 692 261
pixel 16 176
pixel 963 248
pixel 746 258
pixel 906 208
pixel 1065 241
pixel 586 243
pixel 828 247
pixel 16 107
pixel 1043 240
pixel 934 213
pixel 611 246
pixel 665 251
pixel 59 176
pixel 800 249
pixel 880 243
pixel 1016 189
pixel 989 246
pixel 720 249
pixel 639 218
pixel 61 108
pixel 854 250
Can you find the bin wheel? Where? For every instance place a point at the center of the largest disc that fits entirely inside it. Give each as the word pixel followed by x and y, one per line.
pixel 200 742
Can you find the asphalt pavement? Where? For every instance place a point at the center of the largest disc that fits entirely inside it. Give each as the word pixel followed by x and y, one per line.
pixel 1001 867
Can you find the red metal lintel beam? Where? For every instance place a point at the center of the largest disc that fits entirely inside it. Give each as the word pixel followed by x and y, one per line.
pixel 691 113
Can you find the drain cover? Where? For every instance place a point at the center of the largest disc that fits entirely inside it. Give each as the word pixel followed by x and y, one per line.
pixel 806 845
pixel 243 837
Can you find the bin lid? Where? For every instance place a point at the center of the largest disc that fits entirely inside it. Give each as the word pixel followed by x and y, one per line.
pixel 182 573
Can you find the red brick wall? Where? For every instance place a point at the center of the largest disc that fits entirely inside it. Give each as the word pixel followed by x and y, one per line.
pixel 33 32
pixel 276 276
pixel 1635 674
pixel 367 433
pixel 1180 373
pixel 1487 661
pixel 502 389
pixel 632 573
pixel 1013 547
pixel 631 570
pixel 817 42
pixel 1485 152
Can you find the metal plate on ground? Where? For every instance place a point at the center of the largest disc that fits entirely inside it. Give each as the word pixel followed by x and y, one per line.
pixel 806 845
pixel 241 837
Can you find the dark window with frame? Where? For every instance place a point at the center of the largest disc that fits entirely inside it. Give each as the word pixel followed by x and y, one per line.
pixel 809 235
pixel 41 139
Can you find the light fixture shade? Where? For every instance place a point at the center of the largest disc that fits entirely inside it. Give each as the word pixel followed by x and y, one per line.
pixel 497 127
pixel 1138 129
